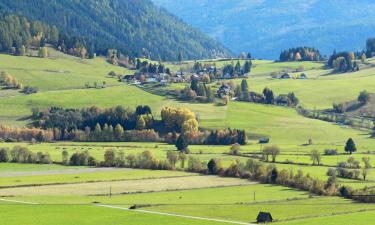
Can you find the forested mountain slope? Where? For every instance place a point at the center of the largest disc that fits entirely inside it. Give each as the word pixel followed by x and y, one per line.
pixel 136 27
pixel 266 27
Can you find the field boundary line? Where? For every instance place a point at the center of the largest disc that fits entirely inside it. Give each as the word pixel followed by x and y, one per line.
pixel 15 201
pixel 175 215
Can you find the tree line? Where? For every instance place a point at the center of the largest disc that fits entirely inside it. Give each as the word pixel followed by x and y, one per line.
pixel 242 93
pixel 300 54
pixel 124 124
pixel 156 34
pixel 18 34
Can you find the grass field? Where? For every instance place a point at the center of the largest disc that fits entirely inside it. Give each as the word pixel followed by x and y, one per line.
pixel 235 203
pixel 65 195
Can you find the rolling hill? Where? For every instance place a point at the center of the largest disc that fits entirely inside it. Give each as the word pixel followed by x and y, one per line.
pixel 136 27
pixel 266 27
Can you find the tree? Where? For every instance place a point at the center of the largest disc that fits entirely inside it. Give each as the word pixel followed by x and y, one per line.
pixel 65 157
pixel 237 68
pixel 363 57
pixel 43 52
pixel 350 146
pixel 364 97
pixel 190 126
pixel 225 100
pixel 238 92
pixel 211 166
pixel 181 143
pixel 119 132
pixel 180 56
pixel 366 161
pixel 110 157
pixel 172 158
pixel 315 157
pixel 272 151
pixel 141 123
pixel 182 157
pixel 247 67
pixel 194 84
pixel 365 172
pixel 297 57
pixel 275 151
pixel 4 157
pixel 235 149
pixel 244 90
pixel 269 97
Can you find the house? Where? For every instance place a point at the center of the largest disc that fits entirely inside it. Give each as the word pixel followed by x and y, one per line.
pixel 285 76
pixel 223 90
pixel 302 76
pixel 136 82
pixel 164 82
pixel 264 217
pixel 282 100
pixel 227 76
pixel 264 140
pixel 128 78
pixel 151 80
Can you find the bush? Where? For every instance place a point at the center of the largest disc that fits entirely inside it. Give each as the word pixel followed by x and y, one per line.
pixel 330 152
pixel 235 149
pixel 29 90
pixel 4 156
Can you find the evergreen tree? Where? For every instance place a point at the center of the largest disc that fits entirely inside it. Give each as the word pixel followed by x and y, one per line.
pixel 211 166
pixel 181 143
pixel 194 85
pixel 244 90
pixel 247 67
pixel 201 90
pixel 238 92
pixel 237 68
pixel 269 97
pixel 350 146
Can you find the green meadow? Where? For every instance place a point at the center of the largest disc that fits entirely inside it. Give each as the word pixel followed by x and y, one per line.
pixel 71 195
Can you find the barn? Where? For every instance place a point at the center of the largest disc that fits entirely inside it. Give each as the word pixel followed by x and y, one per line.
pixel 264 217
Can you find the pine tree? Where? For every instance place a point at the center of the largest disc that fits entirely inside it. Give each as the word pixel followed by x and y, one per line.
pixel 244 90
pixel 194 85
pixel 247 67
pixel 237 68
pixel 181 143
pixel 350 146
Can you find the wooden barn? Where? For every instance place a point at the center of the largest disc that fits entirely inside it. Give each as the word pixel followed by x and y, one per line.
pixel 264 217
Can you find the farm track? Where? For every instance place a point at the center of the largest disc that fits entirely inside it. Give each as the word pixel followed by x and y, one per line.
pixel 177 215
pixel 58 172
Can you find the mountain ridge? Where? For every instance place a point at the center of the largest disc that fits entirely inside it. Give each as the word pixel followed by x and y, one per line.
pixel 136 27
pixel 266 27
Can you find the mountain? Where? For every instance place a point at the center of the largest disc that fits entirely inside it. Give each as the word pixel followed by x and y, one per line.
pixel 136 27
pixel 265 27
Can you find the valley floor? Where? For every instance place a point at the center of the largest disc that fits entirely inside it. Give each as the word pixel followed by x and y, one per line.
pixel 191 200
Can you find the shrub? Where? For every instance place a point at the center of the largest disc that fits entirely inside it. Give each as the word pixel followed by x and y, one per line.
pixel 235 149
pixel 330 152
pixel 4 156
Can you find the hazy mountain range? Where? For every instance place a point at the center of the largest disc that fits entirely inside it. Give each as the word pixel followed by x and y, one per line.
pixel 136 27
pixel 265 27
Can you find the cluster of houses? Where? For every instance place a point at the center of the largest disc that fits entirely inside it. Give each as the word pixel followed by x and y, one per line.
pixel 288 76
pixel 139 78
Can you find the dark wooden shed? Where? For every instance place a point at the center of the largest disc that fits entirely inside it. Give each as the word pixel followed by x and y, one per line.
pixel 264 217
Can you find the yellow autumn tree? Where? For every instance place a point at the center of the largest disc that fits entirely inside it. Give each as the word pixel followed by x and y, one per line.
pixel 297 57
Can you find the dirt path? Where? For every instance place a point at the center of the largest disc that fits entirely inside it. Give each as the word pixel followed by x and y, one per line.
pixel 177 215
pixel 56 172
